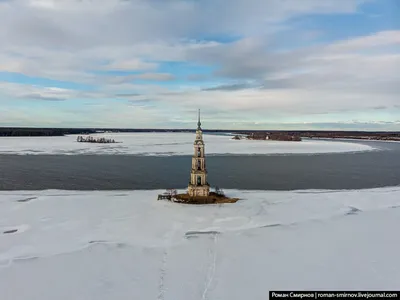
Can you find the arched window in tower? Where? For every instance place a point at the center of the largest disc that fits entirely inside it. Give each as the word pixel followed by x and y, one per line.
pixel 198 152
pixel 199 165
pixel 198 180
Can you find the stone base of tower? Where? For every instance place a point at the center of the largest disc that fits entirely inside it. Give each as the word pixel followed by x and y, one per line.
pixel 196 191
pixel 212 198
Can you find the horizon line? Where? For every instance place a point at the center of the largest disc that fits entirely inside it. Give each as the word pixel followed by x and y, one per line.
pixel 191 129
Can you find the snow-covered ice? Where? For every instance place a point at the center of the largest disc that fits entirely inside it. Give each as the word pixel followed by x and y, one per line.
pixel 126 245
pixel 170 144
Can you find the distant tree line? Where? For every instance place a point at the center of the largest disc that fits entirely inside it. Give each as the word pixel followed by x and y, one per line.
pixel 41 131
pixel 384 136
pixel 297 135
pixel 10 131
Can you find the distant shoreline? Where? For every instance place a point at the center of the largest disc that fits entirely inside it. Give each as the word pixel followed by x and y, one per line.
pixel 354 135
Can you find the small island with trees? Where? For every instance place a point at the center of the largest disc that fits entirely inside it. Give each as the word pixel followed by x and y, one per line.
pixel 90 139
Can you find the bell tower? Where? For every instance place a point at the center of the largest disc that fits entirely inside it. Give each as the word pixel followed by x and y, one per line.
pixel 198 185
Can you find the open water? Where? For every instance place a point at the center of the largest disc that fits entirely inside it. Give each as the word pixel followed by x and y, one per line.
pixel 257 172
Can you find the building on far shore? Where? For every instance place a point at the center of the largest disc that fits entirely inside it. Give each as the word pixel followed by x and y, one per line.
pixel 276 136
pixel 198 185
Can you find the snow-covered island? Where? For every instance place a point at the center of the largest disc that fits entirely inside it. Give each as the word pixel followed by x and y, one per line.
pixel 163 144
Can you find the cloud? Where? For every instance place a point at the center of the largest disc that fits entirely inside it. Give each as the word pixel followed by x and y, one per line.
pixel 128 95
pixel 126 79
pixel 380 39
pixel 67 39
pixel 155 76
pixel 229 87
pixel 130 65
pixel 252 58
pixel 37 96
pixel 143 103
pixel 81 23
pixel 31 92
pixel 110 48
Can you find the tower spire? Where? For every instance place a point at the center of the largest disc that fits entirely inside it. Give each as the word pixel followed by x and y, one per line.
pixel 198 122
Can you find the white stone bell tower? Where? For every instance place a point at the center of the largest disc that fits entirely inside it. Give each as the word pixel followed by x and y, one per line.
pixel 198 185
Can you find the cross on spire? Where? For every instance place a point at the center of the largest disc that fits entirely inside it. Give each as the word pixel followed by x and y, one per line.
pixel 199 123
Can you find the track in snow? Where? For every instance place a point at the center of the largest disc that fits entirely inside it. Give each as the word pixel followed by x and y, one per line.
pixel 163 268
pixel 212 266
pixel 163 271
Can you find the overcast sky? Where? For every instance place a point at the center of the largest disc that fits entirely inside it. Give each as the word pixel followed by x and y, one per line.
pixel 262 64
